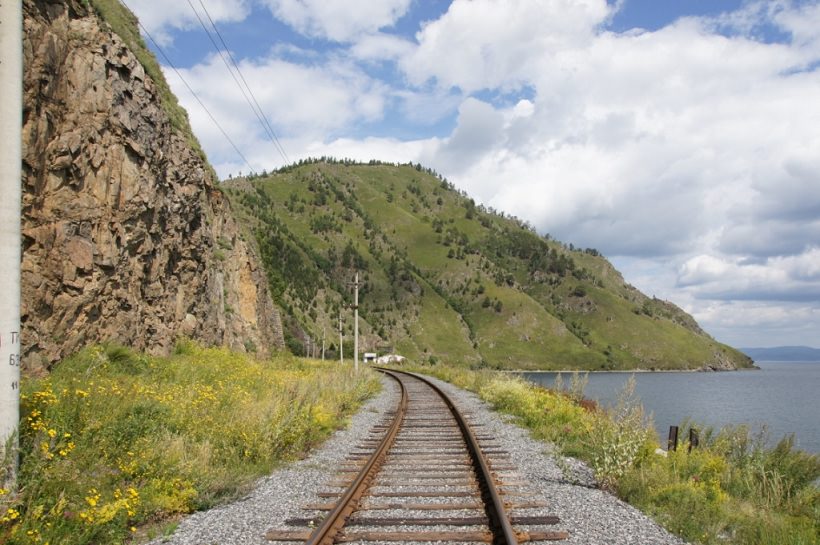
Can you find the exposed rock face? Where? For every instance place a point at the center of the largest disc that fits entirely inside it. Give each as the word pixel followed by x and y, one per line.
pixel 723 362
pixel 125 235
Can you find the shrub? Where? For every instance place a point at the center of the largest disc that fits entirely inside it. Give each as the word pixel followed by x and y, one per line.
pixel 622 438
pixel 579 291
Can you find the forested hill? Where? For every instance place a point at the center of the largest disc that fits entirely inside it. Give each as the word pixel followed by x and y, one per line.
pixel 444 278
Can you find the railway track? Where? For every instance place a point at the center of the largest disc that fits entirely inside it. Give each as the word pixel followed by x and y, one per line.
pixel 424 475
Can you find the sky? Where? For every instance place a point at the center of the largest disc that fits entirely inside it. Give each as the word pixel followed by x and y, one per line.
pixel 679 138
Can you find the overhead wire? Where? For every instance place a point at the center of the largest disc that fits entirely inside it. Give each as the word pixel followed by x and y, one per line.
pixel 257 109
pixel 171 64
pixel 257 112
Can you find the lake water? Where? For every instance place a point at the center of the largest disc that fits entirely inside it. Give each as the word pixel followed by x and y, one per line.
pixel 783 396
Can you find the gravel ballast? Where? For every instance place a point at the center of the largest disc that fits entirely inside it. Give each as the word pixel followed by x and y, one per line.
pixel 590 515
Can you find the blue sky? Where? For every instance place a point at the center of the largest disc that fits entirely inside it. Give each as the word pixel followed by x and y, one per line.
pixel 680 138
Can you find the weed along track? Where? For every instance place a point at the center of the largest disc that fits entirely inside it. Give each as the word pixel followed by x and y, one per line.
pixel 424 475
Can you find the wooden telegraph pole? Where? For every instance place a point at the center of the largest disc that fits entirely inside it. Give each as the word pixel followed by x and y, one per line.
pixel 11 118
pixel 356 323
pixel 341 340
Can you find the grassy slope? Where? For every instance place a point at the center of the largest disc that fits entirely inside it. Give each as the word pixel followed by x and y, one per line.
pixel 446 278
pixel 112 440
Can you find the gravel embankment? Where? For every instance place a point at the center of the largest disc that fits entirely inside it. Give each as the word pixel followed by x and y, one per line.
pixel 590 515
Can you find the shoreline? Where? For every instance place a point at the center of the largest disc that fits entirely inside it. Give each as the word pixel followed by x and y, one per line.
pixel 627 371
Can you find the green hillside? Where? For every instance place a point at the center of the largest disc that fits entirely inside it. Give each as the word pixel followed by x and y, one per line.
pixel 445 279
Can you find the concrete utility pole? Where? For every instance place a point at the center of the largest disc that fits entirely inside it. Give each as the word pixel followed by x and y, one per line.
pixel 356 323
pixel 11 119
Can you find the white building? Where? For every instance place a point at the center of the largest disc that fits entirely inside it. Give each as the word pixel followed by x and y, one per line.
pixel 390 358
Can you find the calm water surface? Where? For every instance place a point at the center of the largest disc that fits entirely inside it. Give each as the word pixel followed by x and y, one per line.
pixel 783 396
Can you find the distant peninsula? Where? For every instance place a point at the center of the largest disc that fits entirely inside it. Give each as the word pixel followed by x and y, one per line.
pixel 783 353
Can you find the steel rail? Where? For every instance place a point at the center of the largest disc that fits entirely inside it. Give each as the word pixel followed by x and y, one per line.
pixel 503 533
pixel 326 532
pixel 500 525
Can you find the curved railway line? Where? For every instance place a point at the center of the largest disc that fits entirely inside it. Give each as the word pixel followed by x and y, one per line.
pixel 424 476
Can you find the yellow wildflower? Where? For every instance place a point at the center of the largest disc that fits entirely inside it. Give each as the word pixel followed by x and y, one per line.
pixel 93 498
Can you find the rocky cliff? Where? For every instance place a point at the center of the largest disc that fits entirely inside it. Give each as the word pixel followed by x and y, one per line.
pixel 126 236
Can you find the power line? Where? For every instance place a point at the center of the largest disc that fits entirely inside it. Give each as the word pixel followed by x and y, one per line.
pixel 255 107
pixel 164 56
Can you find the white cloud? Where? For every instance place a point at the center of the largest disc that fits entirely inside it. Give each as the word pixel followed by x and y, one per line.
pixel 386 149
pixel 337 20
pixel 426 107
pixel 755 324
pixel 303 103
pixel 478 130
pixel 639 143
pixel 161 16
pixel 802 22
pixel 484 44
pixel 380 47
pixel 799 20
pixel 767 319
pixel 759 239
pixel 702 269
pixel 781 278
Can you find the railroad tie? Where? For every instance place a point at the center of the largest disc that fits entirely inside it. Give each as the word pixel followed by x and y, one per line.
pixel 428 464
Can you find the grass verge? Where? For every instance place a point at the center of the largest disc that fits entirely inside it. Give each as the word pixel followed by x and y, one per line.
pixel 113 441
pixel 733 489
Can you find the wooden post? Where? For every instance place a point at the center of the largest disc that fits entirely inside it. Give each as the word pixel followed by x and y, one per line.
pixel 356 323
pixel 694 441
pixel 341 340
pixel 672 442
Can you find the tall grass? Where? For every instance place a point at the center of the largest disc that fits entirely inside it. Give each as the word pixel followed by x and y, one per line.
pixel 733 489
pixel 113 440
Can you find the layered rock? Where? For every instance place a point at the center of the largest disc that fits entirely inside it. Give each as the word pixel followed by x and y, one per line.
pixel 126 236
